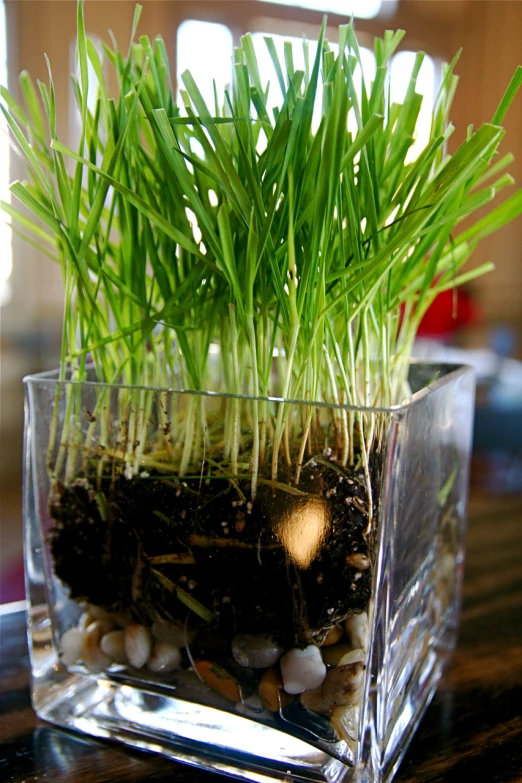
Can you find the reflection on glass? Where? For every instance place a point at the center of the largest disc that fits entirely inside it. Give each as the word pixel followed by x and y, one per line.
pixel 302 530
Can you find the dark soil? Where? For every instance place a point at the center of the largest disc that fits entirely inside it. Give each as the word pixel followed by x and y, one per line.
pixel 228 552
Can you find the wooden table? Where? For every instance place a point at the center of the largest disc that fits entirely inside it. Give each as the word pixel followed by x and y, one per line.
pixel 471 732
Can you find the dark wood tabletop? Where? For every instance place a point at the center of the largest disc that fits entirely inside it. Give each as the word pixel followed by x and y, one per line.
pixel 471 732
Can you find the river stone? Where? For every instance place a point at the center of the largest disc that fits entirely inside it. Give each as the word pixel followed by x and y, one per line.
pixel 255 651
pixel 302 670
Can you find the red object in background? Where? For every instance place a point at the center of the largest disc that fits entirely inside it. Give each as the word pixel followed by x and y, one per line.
pixel 439 320
pixel 12 587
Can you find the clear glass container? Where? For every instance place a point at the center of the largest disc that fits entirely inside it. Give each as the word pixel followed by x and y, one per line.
pixel 192 595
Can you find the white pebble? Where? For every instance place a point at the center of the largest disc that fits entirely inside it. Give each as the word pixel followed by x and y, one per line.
pixel 92 656
pixel 165 658
pixel 138 645
pixel 71 645
pixel 357 629
pixel 302 670
pixel 113 645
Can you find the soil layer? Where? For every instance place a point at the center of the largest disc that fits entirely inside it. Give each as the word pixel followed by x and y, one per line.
pixel 198 552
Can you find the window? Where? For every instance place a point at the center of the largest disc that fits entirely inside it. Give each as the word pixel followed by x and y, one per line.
pixel 75 119
pixel 196 39
pixel 6 262
pixel 401 68
pixel 364 9
pixel 268 74
pixel 205 49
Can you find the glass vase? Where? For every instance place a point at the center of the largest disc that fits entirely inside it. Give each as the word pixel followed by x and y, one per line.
pixel 262 587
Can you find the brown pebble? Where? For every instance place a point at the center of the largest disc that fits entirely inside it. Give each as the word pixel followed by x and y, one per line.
pixel 271 692
pixel 333 636
pixel 332 655
pixel 343 684
pixel 240 522
pixel 218 679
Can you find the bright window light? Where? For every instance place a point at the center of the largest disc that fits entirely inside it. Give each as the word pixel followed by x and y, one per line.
pixel 75 116
pixel 205 49
pixel 6 260
pixel 400 73
pixel 364 9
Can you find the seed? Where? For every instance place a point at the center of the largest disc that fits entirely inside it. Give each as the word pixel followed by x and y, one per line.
pixel 359 561
pixel 92 655
pixel 113 645
pixel 302 670
pixel 255 651
pixel 165 657
pixel 71 645
pixel 138 645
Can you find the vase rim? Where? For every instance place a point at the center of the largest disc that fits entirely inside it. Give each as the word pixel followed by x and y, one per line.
pixel 443 374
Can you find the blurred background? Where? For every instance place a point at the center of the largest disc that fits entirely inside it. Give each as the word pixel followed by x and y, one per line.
pixel 487 329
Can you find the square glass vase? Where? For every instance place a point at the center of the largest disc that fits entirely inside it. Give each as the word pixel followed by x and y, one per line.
pixel 262 587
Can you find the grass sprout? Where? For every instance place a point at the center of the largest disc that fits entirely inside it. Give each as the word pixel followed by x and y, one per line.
pixel 231 247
